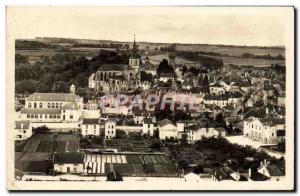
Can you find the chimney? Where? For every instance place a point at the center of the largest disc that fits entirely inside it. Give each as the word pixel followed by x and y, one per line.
pixel 249 172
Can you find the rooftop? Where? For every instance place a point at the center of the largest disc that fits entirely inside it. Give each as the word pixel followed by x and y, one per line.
pixel 59 97
pixel 68 157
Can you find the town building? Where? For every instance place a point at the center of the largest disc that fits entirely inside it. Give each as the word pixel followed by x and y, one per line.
pixel 23 129
pixel 90 126
pixel 263 129
pixel 68 162
pixel 167 130
pixel 109 129
pixel 52 107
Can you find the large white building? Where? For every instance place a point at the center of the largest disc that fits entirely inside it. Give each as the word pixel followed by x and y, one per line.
pixel 52 107
pixel 167 130
pixel 263 130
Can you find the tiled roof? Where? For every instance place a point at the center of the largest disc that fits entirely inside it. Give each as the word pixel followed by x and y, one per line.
pixel 274 170
pixel 40 111
pixel 90 121
pixel 68 157
pixel 164 122
pixel 61 97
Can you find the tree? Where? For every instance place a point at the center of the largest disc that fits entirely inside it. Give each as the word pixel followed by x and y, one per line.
pixel 26 86
pixel 146 76
pixel 164 67
pixel 20 59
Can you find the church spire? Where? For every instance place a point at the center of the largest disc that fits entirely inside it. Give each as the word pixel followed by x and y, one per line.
pixel 134 48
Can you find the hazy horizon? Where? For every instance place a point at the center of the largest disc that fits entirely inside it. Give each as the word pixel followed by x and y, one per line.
pixel 238 26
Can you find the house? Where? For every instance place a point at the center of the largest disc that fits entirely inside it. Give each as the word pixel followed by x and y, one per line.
pixel 218 100
pixel 198 131
pixel 167 130
pixel 90 126
pixel 52 107
pixel 263 129
pixel 68 162
pixel 23 130
pixel 148 127
pixel 109 129
pixel 271 171
pixel 216 89
pixel 165 77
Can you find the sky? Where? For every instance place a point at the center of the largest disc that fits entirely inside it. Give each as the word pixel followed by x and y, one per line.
pixel 264 26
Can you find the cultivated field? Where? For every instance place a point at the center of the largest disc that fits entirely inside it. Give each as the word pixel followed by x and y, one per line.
pixel 52 142
pixel 130 164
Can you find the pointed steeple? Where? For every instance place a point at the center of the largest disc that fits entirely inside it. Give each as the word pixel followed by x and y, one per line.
pixel 134 48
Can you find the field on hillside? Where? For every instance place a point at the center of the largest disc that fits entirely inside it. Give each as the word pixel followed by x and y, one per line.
pixel 231 50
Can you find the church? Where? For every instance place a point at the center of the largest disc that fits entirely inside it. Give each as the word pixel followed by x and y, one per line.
pixel 115 78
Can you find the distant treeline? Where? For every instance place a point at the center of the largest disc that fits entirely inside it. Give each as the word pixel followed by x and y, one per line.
pixel 33 45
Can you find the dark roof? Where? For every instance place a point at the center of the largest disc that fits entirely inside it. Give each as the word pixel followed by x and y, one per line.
pixel 61 97
pixel 216 97
pixel 68 157
pixel 255 176
pixel 112 67
pixel 164 122
pixel 24 123
pixel 274 170
pixel 90 121
pixel 216 85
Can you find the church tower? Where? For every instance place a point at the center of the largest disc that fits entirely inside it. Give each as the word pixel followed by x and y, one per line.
pixel 134 60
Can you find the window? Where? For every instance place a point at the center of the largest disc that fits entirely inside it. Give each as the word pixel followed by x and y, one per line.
pixel 41 105
pixel 49 105
pixel 86 126
pixel 34 105
pixel 94 132
pixel 94 126
pixel 46 115
pixel 32 115
pixel 57 105
pixel 58 116
pixel 60 105
pixel 41 115
pixel 24 131
pixel 28 115
pixel 50 115
pixel 53 105
pixel 149 126
pixel 36 116
pixel 71 116
pixel 29 105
